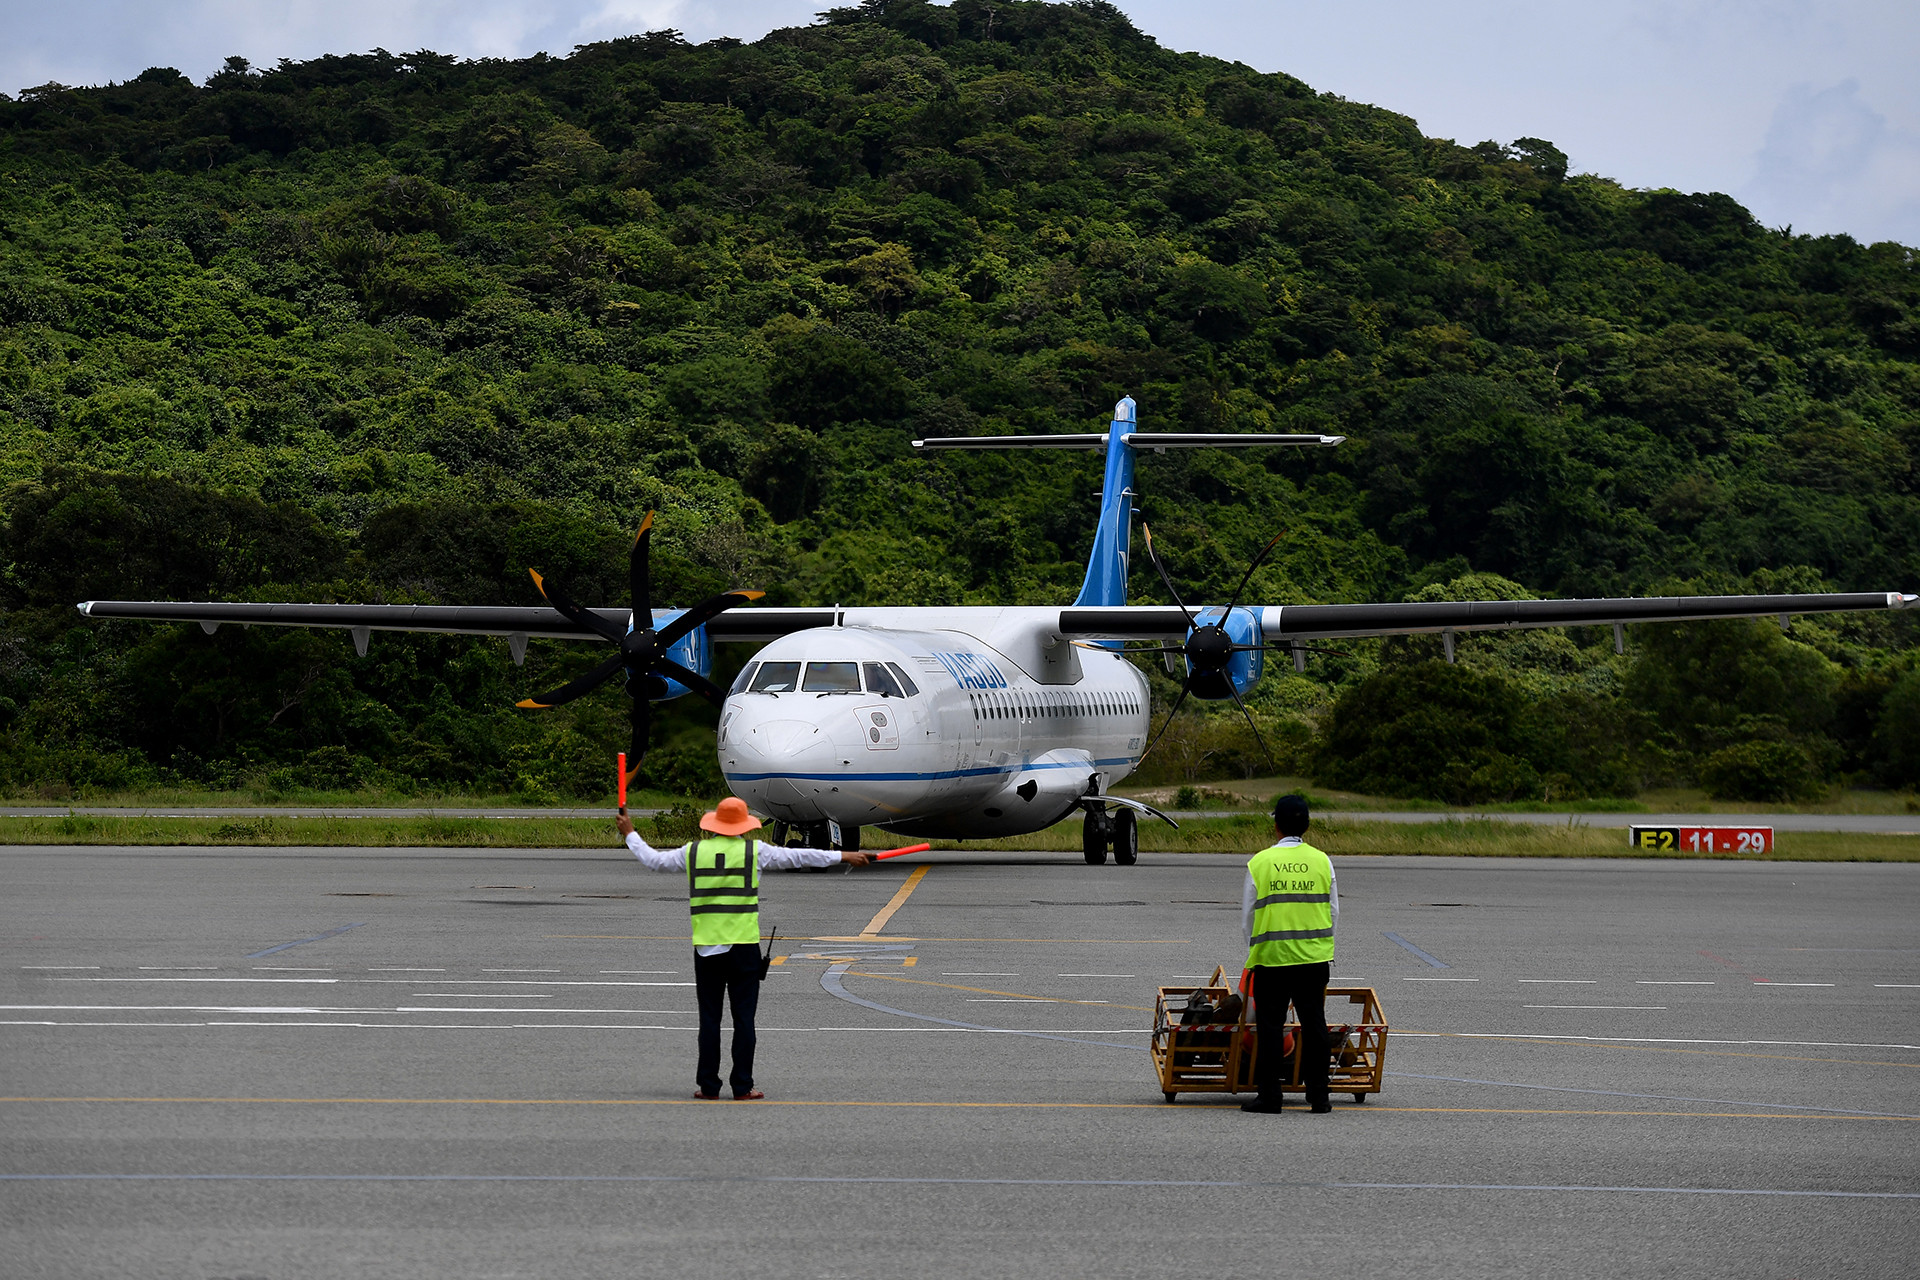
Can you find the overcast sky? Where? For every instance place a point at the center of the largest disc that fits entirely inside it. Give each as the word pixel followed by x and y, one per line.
pixel 1807 112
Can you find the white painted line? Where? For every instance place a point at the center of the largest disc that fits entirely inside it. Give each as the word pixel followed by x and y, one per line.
pixel 1094 975
pixel 400 969
pixel 59 966
pixel 477 995
pixel 1004 1000
pixel 970 974
pixel 179 968
pixel 1580 982
pixel 520 971
pixel 1593 1006
pixel 1897 986
pixel 980 1031
pixel 1764 983
pixel 476 982
pixel 682 1013
pixel 1561 1035
pixel 1439 979
pixel 293 968
pixel 590 1026
pixel 1673 982
pixel 604 972
pixel 196 979
pixel 529 982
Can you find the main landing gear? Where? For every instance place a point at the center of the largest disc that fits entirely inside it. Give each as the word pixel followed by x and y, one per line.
pixel 1118 830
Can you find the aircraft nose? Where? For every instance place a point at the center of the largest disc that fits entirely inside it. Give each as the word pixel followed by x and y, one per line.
pixel 774 745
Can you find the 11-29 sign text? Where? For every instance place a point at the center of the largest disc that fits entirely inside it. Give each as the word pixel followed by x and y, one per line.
pixel 1702 839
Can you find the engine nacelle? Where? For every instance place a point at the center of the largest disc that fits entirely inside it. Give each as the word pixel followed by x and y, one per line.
pixel 694 651
pixel 1236 672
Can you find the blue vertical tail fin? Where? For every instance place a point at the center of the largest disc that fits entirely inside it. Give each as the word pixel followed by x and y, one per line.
pixel 1106 580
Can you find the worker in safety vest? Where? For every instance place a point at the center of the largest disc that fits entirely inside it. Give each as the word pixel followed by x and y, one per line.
pixel 1289 906
pixel 723 890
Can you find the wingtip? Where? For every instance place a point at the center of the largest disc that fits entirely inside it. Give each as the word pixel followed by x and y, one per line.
pixel 531 705
pixel 86 607
pixel 645 525
pixel 539 583
pixel 759 595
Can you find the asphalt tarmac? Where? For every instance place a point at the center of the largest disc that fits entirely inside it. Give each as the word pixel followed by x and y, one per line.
pixel 286 1063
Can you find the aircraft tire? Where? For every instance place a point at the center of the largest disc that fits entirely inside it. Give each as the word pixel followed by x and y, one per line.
pixel 1126 838
pixel 1094 840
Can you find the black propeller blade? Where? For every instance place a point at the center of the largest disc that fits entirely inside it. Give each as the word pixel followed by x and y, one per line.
pixel 1208 648
pixel 643 650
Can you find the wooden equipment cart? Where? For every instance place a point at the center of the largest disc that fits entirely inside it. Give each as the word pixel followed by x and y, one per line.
pixel 1220 1057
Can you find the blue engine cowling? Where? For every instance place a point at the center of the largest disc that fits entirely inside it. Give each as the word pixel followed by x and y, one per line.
pixel 1238 672
pixel 693 651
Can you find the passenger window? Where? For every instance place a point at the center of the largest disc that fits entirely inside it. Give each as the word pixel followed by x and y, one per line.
pixel 880 681
pixel 775 677
pixel 832 677
pixel 745 678
pixel 906 681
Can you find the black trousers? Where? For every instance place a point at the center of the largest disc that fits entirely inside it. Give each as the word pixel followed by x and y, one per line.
pixel 1304 986
pixel 731 976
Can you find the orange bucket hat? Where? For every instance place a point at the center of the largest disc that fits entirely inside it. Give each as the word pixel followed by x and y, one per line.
pixel 729 818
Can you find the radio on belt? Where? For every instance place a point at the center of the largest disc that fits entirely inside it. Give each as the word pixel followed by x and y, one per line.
pixel 1680 839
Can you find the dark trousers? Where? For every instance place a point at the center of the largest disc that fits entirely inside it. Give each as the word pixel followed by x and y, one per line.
pixel 1304 986
pixel 731 976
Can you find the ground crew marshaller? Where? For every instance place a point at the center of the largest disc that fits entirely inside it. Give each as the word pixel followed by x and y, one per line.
pixel 1290 904
pixel 723 892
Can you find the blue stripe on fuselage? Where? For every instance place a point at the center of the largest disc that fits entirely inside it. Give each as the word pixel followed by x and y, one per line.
pixel 926 777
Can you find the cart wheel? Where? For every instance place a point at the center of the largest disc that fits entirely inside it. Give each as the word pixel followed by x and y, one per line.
pixel 1169 1096
pixel 1360 1099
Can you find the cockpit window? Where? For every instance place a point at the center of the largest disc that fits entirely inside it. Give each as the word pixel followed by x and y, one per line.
pixel 776 677
pixel 744 679
pixel 881 681
pixel 832 677
pixel 906 681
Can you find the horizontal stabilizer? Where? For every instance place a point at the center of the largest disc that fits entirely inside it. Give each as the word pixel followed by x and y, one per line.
pixel 1158 440
pixel 1077 441
pixel 1154 440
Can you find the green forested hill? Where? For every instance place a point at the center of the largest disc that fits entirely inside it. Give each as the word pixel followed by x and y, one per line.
pixel 397 327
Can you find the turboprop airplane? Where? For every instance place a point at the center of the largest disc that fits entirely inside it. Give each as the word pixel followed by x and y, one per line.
pixel 964 722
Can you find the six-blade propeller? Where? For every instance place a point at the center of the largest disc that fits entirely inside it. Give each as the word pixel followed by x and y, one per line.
pixel 643 650
pixel 1208 649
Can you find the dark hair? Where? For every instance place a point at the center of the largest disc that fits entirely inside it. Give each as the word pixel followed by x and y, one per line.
pixel 1290 816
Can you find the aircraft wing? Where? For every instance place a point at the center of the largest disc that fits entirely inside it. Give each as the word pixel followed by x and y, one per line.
pixel 1278 623
pixel 541 622
pixel 1281 623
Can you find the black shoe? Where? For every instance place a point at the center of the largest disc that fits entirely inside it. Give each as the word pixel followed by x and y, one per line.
pixel 1262 1106
pixel 1321 1108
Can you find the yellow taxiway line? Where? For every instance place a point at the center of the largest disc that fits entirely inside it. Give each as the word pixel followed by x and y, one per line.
pixel 898 900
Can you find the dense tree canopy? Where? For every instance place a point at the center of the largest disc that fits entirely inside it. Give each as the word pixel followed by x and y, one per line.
pixel 398 327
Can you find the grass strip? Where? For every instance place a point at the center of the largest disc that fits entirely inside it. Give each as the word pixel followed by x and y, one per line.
pixel 1242 836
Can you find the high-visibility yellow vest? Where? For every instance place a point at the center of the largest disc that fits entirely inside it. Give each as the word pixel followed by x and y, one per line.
pixel 723 890
pixel 1292 906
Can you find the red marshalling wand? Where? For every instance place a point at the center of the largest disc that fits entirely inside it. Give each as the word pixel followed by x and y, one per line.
pixel 623 783
pixel 895 853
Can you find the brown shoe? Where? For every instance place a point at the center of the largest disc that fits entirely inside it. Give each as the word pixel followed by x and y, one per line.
pixel 751 1095
pixel 703 1096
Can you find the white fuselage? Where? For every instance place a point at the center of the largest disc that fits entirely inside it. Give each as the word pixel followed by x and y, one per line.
pixel 929 733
